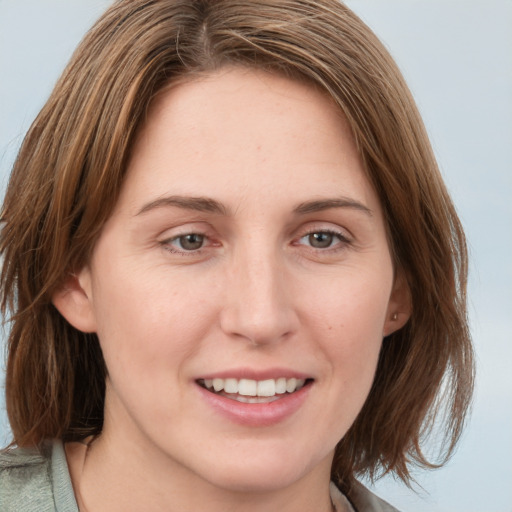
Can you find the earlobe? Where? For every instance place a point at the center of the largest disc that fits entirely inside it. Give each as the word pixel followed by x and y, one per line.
pixel 73 300
pixel 399 306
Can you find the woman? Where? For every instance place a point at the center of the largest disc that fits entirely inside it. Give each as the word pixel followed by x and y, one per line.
pixel 233 269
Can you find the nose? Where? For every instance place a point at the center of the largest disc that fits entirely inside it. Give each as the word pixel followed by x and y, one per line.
pixel 258 304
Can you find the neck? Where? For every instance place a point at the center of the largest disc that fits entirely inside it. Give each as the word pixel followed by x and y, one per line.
pixel 109 475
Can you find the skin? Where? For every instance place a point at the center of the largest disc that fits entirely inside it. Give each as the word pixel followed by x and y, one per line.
pixel 259 293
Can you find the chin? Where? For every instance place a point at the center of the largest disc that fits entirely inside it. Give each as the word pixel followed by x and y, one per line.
pixel 259 476
pixel 254 482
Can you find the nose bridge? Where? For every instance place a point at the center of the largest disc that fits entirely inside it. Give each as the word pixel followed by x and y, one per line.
pixel 258 306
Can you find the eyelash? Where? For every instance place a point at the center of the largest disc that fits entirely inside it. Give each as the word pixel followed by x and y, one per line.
pixel 167 244
pixel 342 242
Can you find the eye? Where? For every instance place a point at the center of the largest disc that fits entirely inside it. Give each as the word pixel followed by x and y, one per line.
pixel 320 240
pixel 323 239
pixel 188 242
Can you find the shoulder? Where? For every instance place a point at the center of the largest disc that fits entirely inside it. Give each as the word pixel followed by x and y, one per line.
pixel 25 479
pixel 365 501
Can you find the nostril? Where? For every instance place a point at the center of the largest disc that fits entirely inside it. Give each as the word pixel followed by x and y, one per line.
pixel 258 328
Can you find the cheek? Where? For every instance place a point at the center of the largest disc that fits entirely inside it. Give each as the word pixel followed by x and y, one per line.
pixel 352 309
pixel 353 358
pixel 145 323
pixel 347 324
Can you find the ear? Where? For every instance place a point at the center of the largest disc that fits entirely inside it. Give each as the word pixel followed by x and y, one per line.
pixel 399 306
pixel 73 300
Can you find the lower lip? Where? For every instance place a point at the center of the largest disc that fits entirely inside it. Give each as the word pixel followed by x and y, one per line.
pixel 257 415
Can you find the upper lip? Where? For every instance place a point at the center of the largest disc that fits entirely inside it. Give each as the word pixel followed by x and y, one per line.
pixel 253 374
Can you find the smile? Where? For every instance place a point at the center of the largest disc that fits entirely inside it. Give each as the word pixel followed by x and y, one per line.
pixel 253 391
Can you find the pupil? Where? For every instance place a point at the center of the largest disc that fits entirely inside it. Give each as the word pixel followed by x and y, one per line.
pixel 320 240
pixel 191 242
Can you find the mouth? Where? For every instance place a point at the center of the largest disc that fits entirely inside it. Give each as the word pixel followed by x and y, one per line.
pixel 254 391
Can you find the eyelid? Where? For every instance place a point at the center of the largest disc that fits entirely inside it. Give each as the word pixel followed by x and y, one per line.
pixel 183 229
pixel 179 238
pixel 344 238
pixel 165 240
pixel 320 227
pixel 170 235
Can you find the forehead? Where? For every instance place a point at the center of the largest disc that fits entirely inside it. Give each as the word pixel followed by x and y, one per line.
pixel 208 105
pixel 257 130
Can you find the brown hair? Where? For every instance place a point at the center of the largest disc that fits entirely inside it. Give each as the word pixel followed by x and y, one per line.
pixel 70 169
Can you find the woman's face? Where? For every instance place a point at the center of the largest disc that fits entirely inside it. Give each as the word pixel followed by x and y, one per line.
pixel 243 285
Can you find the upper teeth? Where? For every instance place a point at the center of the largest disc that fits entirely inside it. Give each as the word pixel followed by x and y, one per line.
pixel 249 387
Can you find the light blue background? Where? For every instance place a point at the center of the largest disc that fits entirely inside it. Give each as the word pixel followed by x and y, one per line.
pixel 457 58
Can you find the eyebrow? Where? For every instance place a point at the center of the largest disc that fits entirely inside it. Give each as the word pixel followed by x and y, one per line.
pixel 326 204
pixel 200 204
pixel 206 204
